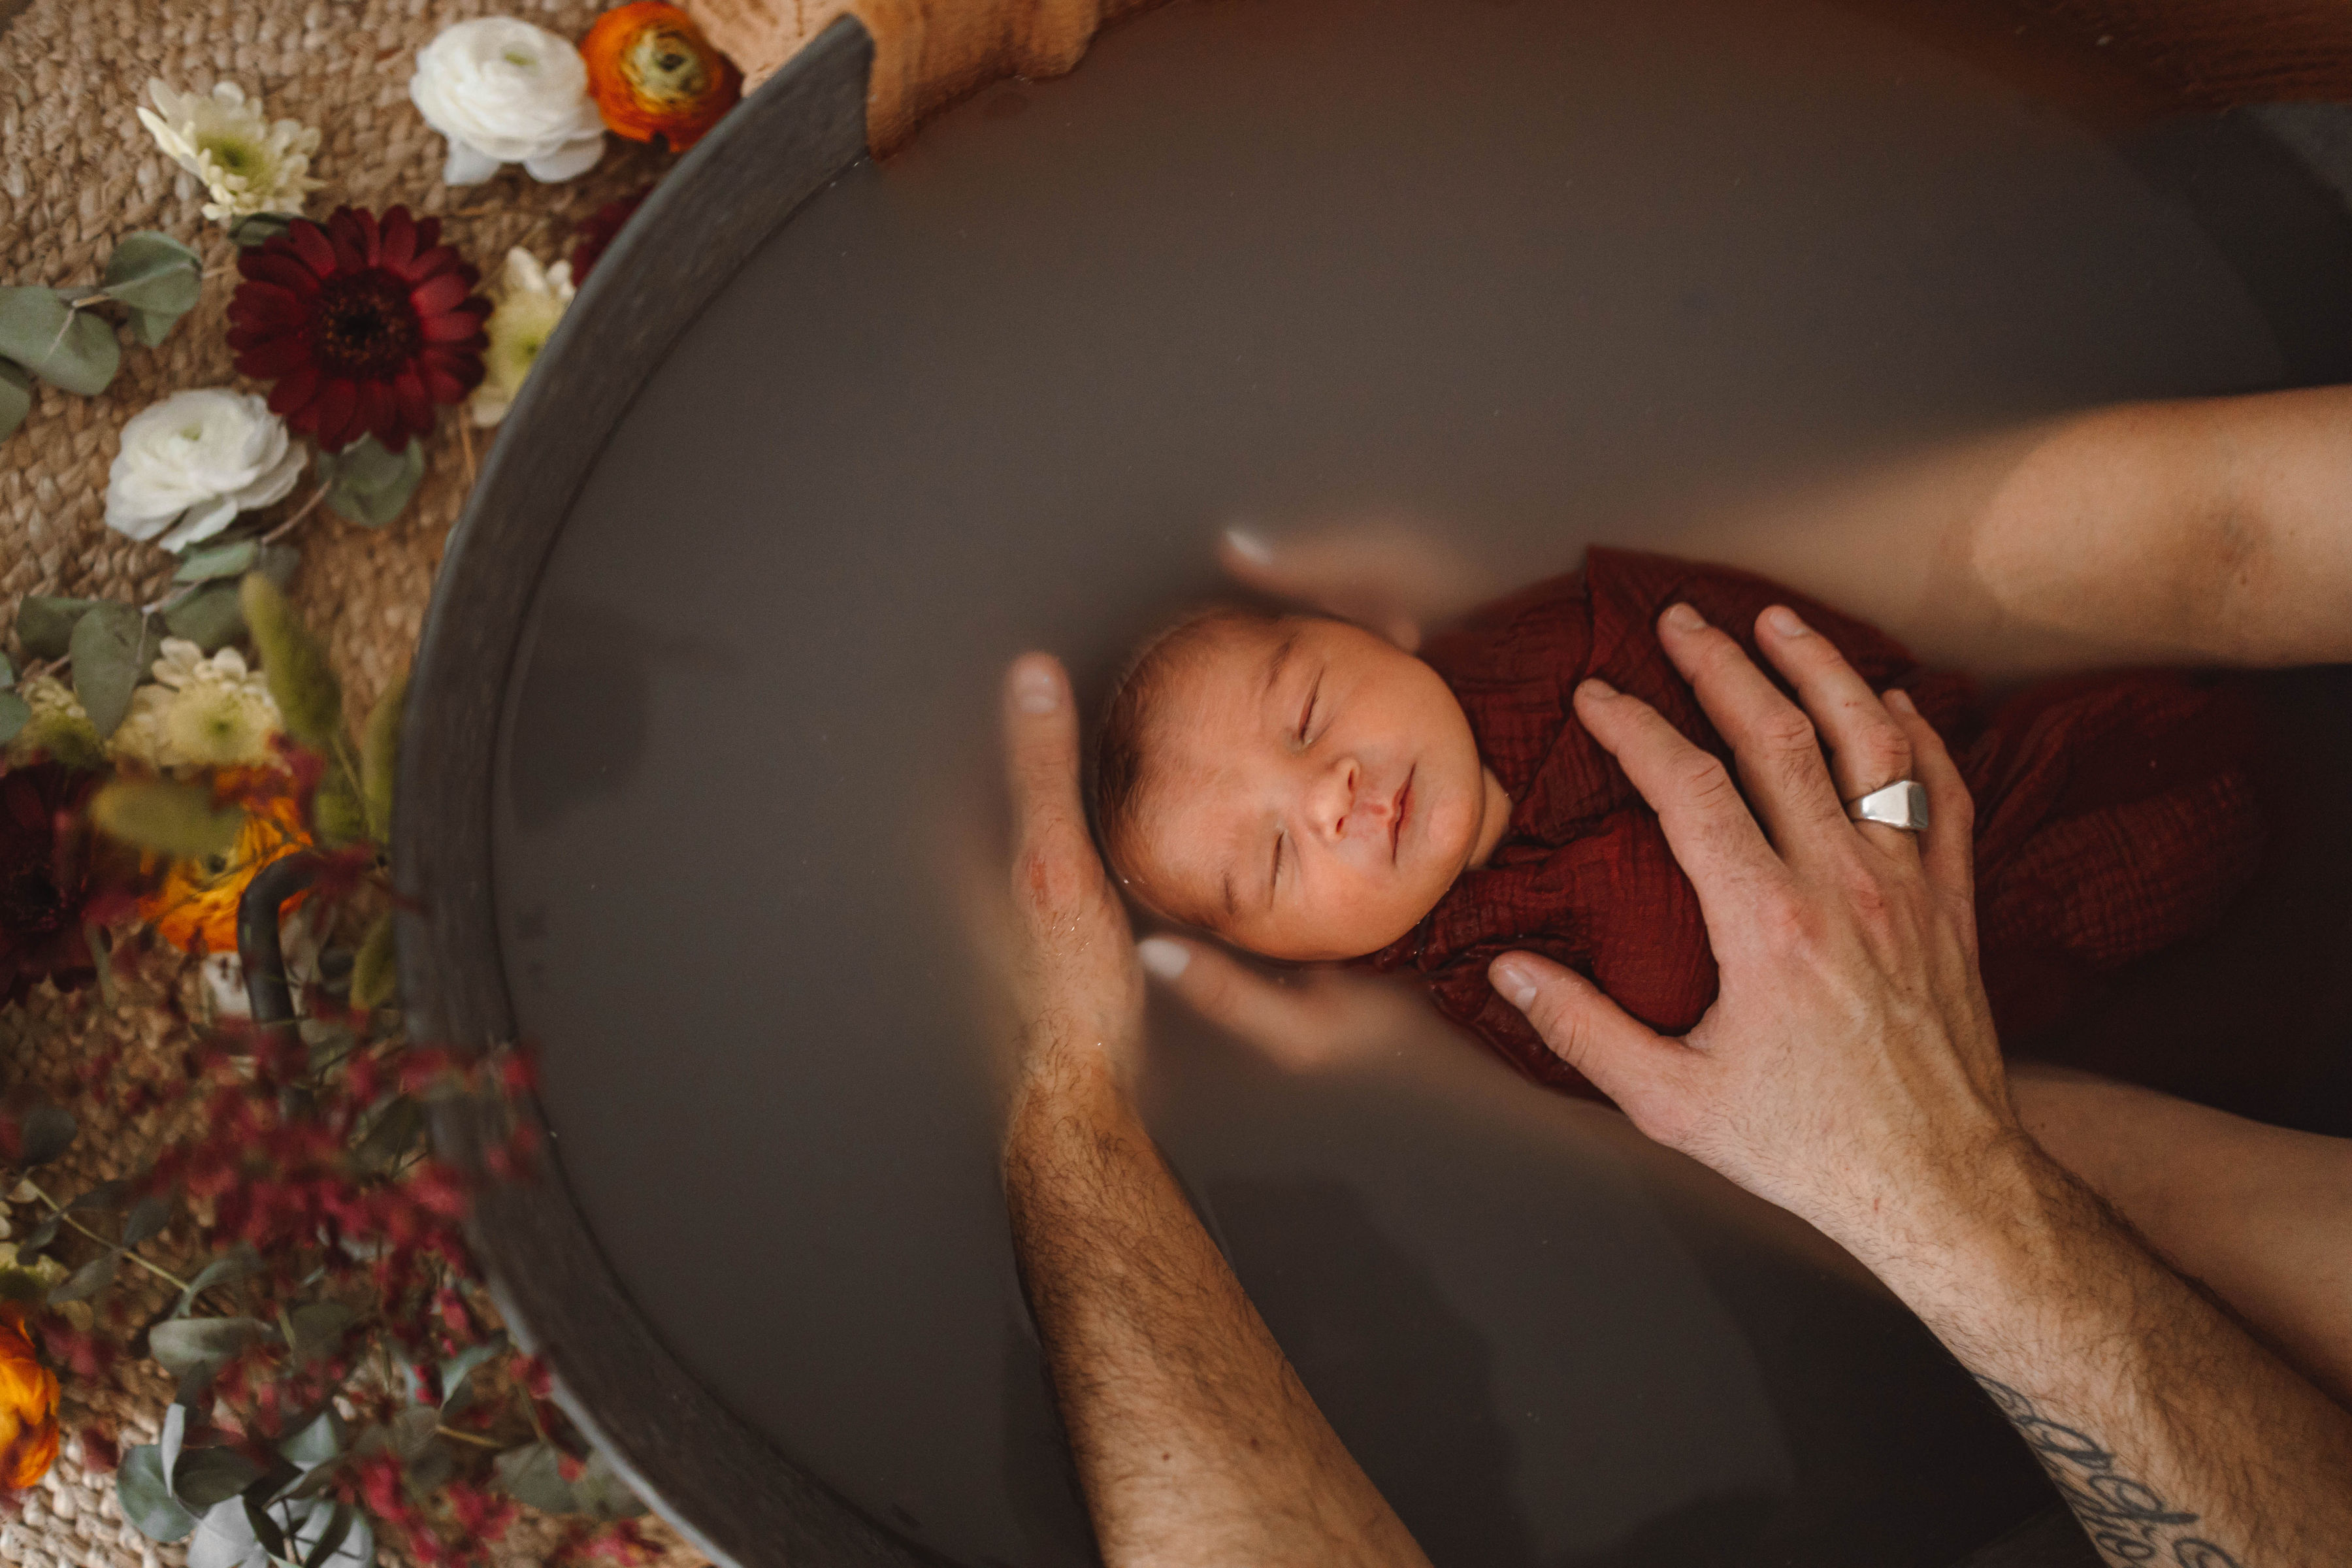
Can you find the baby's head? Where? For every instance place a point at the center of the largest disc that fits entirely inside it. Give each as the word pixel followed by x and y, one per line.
pixel 1298 785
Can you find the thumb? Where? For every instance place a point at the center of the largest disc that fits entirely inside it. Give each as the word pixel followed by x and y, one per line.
pixel 1584 1027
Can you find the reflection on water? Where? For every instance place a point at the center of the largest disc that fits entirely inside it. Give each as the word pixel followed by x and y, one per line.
pixel 1544 272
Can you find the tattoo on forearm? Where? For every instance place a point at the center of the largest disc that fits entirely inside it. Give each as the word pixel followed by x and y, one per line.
pixel 2126 1518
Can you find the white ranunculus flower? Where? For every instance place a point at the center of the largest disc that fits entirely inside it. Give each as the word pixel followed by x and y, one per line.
pixel 530 300
pixel 504 91
pixel 247 164
pixel 191 463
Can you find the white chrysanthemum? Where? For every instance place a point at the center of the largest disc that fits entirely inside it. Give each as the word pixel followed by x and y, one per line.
pixel 504 91
pixel 201 713
pixel 140 737
pixel 530 300
pixel 191 463
pixel 60 726
pixel 247 164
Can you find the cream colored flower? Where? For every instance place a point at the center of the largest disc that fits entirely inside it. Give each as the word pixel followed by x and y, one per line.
pixel 191 463
pixel 504 91
pixel 58 727
pixel 140 737
pixel 530 300
pixel 247 164
pixel 200 713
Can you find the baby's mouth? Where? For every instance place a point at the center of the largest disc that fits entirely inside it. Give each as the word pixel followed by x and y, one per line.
pixel 1397 809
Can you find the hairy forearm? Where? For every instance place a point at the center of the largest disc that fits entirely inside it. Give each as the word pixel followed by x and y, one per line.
pixel 1194 1439
pixel 2174 1437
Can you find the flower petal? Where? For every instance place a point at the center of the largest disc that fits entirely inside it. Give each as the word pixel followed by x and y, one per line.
pixel 467 165
pixel 351 245
pixel 268 305
pixel 399 239
pixel 436 295
pixel 416 404
pixel 299 386
pixel 272 264
pixel 336 405
pixel 452 327
pixel 309 243
pixel 273 357
pixel 370 238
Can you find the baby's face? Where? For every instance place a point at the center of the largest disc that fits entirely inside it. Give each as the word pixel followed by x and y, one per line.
pixel 1309 791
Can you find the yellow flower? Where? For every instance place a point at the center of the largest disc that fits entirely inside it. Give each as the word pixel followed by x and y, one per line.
pixel 531 301
pixel 29 1404
pixel 195 907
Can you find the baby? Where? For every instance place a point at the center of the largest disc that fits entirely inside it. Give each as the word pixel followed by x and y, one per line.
pixel 1308 790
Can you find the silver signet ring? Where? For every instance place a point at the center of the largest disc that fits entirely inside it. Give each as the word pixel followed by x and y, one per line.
pixel 1903 803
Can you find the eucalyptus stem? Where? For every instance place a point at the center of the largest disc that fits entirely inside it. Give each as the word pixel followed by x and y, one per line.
pixel 275 534
pixel 156 1269
pixel 477 1441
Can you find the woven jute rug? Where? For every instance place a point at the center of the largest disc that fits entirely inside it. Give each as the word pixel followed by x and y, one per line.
pixel 78 172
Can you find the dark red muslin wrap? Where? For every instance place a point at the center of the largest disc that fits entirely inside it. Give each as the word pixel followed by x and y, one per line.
pixel 2115 814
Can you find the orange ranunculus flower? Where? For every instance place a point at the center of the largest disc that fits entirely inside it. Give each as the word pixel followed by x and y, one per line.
pixel 654 74
pixel 194 906
pixel 29 1404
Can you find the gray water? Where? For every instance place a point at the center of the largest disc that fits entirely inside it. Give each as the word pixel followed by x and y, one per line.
pixel 1542 273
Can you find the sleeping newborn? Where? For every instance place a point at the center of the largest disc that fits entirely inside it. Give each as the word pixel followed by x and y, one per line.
pixel 1308 790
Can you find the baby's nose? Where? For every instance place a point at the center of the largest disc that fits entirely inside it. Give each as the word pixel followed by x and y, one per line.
pixel 1345 804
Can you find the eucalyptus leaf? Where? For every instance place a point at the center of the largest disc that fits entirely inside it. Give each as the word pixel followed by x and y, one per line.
pixel 335 1546
pixel 187 1344
pixel 411 1431
pixel 175 820
pixel 231 559
pixel 111 646
pixel 154 273
pixel 319 1442
pixel 39 1236
pixel 533 1475
pixel 65 347
pixel 14 714
pixel 176 1433
pixel 455 1396
pixel 211 618
pixel 106 1195
pixel 48 1130
pixel 310 699
pixel 278 563
pixel 147 1500
pixel 147 1219
pixel 151 327
pixel 601 1490
pixel 208 1475
pixel 15 398
pixel 234 1264
pixel 376 973
pixel 226 1537
pixel 318 1327
pixel 44 623
pixel 368 484
pixel 7 671
pixel 86 1280
pixel 259 228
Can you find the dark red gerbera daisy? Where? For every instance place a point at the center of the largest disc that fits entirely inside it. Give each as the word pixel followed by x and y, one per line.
pixel 599 229
pixel 363 325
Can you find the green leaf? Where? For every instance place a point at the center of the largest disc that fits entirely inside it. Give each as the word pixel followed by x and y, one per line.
pixel 187 1344
pixel 155 274
pixel 310 699
pixel 151 327
pixel 234 1264
pixel 603 1492
pixel 65 347
pixel 7 671
pixel 393 1136
pixel 106 1195
pixel 336 810
pixel 48 1130
pixel 376 973
pixel 176 1433
pixel 366 484
pixel 206 1476
pixel 21 1285
pixel 112 646
pixel 329 1545
pixel 211 618
pixel 147 1219
pixel 533 1475
pixel 231 559
pixel 147 1502
pixel 15 398
pixel 174 819
pixel 380 758
pixel 316 1444
pixel 259 228
pixel 39 1236
pixel 86 1280
pixel 45 625
pixel 14 714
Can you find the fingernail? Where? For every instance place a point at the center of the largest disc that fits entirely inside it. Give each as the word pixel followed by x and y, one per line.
pixel 1249 545
pixel 1163 956
pixel 1516 981
pixel 1682 617
pixel 1035 689
pixel 1597 689
pixel 1783 620
pixel 1900 701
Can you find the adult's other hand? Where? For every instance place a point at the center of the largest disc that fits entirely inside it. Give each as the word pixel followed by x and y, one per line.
pixel 1075 984
pixel 1849 1067
pixel 1312 1019
pixel 1385 574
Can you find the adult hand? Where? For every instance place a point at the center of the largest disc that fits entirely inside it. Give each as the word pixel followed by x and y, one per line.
pixel 1308 1020
pixel 1069 962
pixel 1384 573
pixel 1849 1065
